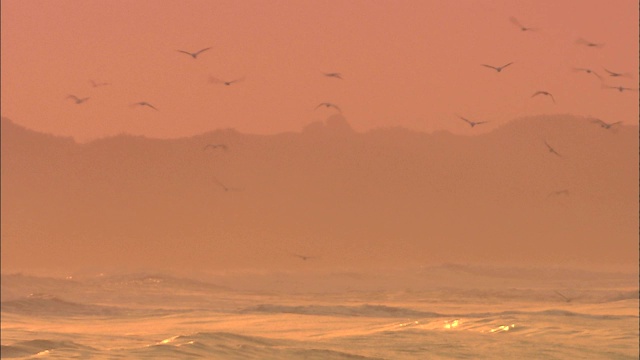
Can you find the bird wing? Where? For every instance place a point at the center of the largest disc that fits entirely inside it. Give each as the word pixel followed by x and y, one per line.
pixel 552 98
pixel 215 80
pixel 515 22
pixel 489 66
pixel 201 51
pixel 72 97
pixel 335 106
pixel 481 122
pixel 149 105
pixel 504 66
pixel 537 93
pixel 236 80
pixel 464 119
pixel 185 52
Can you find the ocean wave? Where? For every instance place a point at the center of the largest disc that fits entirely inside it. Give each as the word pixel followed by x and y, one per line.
pixel 365 310
pixel 40 346
pixel 49 305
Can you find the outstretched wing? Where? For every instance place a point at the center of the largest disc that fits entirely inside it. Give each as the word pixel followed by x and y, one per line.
pixel 201 51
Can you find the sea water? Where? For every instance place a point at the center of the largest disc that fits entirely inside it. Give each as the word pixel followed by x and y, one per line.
pixel 443 312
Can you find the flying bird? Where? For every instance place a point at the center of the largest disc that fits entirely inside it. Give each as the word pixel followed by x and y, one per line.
pixel 588 71
pixel 77 99
pixel 217 146
pixel 497 68
pixel 333 75
pixel 215 80
pixel 195 54
pixel 303 257
pixel 605 125
pixel 544 93
pixel 98 84
pixel 518 24
pixel 564 297
pixel 615 74
pixel 620 88
pixel 472 123
pixel 144 103
pixel 584 42
pixel 552 150
pixel 328 105
pixel 224 187
pixel 558 193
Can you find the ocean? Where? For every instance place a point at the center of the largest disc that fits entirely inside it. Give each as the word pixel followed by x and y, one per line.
pixel 439 312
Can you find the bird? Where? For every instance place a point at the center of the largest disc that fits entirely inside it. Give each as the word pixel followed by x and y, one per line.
pixel 552 150
pixel 615 74
pixel 215 80
pixel 328 105
pixel 588 71
pixel 620 88
pixel 605 125
pixel 586 43
pixel 98 84
pixel 472 123
pixel 303 257
pixel 144 103
pixel 77 99
pixel 216 146
pixel 497 68
pixel 195 54
pixel 224 187
pixel 333 75
pixel 559 192
pixel 544 93
pixel 518 24
pixel 564 297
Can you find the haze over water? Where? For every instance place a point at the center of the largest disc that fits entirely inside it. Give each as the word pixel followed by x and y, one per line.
pixel 319 180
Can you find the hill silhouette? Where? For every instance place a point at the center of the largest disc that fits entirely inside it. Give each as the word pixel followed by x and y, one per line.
pixel 383 198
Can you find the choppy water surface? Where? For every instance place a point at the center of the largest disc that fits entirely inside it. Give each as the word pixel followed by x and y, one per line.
pixel 447 312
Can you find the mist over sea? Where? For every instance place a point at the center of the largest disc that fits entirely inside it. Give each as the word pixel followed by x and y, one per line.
pixel 448 311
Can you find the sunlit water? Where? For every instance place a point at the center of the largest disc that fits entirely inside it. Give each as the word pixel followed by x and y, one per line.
pixel 446 316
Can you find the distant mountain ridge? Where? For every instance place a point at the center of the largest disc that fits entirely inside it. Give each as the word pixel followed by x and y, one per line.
pixel 387 196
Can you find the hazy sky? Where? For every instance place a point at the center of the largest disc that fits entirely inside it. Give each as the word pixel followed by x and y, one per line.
pixel 413 64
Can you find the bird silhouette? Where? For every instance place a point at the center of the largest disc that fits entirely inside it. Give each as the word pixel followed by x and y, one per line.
pixel 559 192
pixel 333 75
pixel 615 74
pixel 551 149
pixel 195 54
pixel 517 23
pixel 497 68
pixel 620 88
pixel 546 93
pixel 303 257
pixel 224 187
pixel 328 105
pixel 564 297
pixel 588 71
pixel 98 84
pixel 472 123
pixel 215 80
pixel 217 146
pixel 605 125
pixel 144 103
pixel 587 43
pixel 77 100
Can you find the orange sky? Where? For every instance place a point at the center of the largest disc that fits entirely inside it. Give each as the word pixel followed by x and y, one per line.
pixel 405 63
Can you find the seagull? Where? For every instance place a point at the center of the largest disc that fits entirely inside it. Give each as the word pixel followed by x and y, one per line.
pixel 615 74
pixel 195 54
pixel 215 146
pixel 328 105
pixel 518 24
pixel 77 99
pixel 621 88
pixel 588 71
pixel 584 42
pixel 333 75
pixel 552 150
pixel 303 257
pixel 214 80
pixel 497 68
pixel 98 84
pixel 564 297
pixel 605 125
pixel 224 187
pixel 144 103
pixel 472 123
pixel 559 192
pixel 544 93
